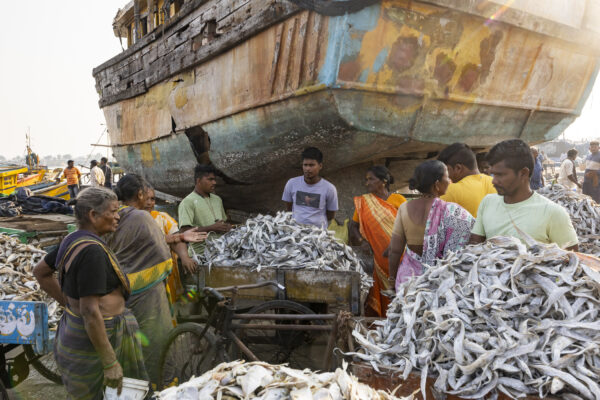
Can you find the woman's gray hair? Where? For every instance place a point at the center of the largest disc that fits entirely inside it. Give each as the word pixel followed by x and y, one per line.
pixel 93 198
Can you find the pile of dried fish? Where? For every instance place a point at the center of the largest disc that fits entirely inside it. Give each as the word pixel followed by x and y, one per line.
pixel 16 280
pixel 584 212
pixel 262 381
pixel 281 242
pixel 497 316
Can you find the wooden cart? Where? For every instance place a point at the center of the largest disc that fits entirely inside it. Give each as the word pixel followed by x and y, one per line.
pixel 339 290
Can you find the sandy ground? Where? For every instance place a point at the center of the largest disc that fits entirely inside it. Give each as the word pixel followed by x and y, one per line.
pixel 36 387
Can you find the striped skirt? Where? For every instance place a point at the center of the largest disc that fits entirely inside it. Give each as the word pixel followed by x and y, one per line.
pixel 78 362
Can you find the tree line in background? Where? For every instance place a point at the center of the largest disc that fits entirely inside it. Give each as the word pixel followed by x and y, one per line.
pixel 58 160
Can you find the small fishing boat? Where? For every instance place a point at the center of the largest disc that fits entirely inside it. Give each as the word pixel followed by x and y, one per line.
pixel 52 188
pixel 32 178
pixel 9 175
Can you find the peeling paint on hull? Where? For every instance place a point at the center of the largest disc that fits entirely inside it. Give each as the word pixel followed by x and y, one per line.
pixel 396 81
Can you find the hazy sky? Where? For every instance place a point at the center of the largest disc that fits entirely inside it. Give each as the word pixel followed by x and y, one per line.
pixel 48 50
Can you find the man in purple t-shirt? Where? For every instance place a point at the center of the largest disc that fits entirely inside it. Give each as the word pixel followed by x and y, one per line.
pixel 311 199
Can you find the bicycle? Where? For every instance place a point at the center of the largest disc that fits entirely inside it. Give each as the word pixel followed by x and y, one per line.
pixel 276 331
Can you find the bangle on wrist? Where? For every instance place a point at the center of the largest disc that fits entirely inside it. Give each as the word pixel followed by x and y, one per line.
pixel 112 364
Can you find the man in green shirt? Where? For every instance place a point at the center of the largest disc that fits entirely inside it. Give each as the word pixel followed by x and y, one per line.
pixel 202 208
pixel 516 205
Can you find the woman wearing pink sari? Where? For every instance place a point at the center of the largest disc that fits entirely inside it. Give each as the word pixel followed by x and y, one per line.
pixel 427 228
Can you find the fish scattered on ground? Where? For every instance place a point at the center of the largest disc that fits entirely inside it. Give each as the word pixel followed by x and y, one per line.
pixel 497 316
pixel 279 241
pixel 584 213
pixel 263 381
pixel 17 282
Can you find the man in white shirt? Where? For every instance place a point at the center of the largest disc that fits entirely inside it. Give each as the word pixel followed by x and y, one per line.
pixel 96 175
pixel 567 175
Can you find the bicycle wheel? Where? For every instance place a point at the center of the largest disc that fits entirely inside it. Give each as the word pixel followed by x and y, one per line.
pixel 188 353
pixel 301 349
pixel 45 364
pixel 3 392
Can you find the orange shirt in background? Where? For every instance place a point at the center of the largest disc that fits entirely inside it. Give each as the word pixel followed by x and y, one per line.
pixel 73 175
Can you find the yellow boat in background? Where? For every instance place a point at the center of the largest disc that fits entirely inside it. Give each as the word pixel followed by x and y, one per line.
pixel 9 175
pixel 32 178
pixel 42 182
pixel 52 189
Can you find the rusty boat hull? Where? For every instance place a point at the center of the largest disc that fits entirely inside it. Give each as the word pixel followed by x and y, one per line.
pixel 391 83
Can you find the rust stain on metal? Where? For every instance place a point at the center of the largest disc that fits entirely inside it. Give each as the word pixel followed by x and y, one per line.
pixel 350 70
pixel 487 52
pixel 444 68
pixel 403 53
pixel 469 77
pixel 532 67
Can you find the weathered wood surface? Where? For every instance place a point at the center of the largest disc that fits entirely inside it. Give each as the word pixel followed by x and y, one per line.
pixel 184 43
pixel 340 289
pixel 390 380
pixel 38 223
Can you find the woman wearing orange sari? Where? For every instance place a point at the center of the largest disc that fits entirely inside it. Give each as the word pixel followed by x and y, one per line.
pixel 373 222
pixel 169 227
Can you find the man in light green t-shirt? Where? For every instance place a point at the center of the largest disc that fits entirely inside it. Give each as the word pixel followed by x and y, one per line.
pixel 202 208
pixel 517 205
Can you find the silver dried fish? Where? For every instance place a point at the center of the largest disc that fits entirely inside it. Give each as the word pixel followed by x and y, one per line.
pixel 584 213
pixel 279 241
pixel 16 279
pixel 497 316
pixel 262 381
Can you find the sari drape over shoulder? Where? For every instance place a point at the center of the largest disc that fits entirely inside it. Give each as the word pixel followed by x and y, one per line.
pixel 142 250
pixel 448 228
pixel 169 226
pixel 78 361
pixel 376 222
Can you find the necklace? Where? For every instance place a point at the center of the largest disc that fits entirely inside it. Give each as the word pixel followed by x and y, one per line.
pixel 428 196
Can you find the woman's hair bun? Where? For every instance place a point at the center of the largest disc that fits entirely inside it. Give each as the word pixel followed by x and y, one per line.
pixel 118 193
pixel 412 184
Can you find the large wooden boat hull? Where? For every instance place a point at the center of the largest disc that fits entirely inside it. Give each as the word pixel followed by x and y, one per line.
pixel 392 83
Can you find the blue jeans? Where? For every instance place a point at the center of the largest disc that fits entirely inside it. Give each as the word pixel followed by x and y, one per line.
pixel 73 191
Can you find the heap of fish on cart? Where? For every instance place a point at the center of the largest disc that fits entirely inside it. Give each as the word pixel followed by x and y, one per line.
pixel 16 280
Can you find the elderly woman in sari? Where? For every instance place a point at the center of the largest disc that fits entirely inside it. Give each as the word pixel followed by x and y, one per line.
pixel 372 223
pixel 428 227
pixel 96 344
pixel 143 251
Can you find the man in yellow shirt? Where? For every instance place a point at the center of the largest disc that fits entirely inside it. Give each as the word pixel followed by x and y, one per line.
pixel 468 186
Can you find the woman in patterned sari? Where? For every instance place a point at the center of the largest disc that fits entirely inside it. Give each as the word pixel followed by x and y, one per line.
pixel 145 256
pixel 427 228
pixel 96 343
pixel 169 227
pixel 372 225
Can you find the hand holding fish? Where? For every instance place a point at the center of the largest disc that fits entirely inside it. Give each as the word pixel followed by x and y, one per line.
pixel 193 235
